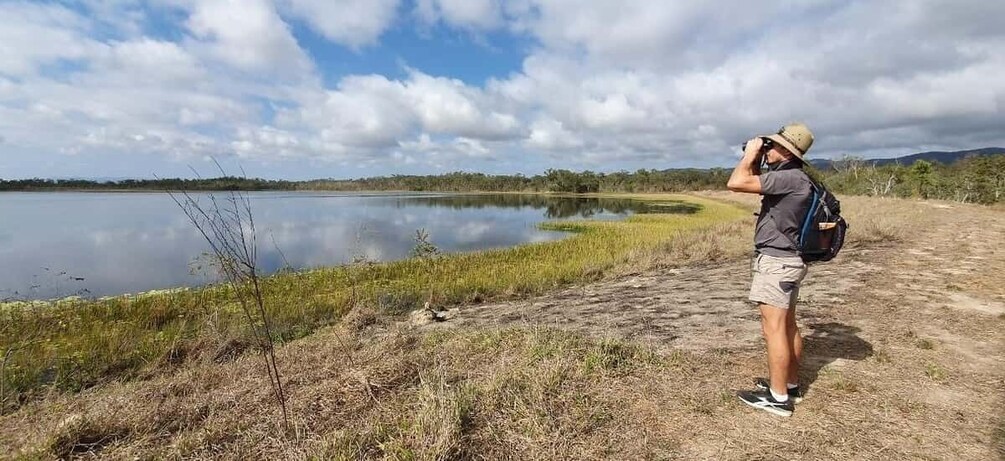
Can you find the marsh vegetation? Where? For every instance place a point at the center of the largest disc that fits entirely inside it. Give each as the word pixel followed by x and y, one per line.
pixel 633 361
pixel 74 344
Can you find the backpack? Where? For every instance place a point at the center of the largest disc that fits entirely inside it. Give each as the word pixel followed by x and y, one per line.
pixel 822 233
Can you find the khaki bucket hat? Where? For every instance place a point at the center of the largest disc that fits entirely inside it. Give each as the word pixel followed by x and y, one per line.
pixel 795 137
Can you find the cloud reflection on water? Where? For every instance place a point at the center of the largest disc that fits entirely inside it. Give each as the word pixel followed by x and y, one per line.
pixel 121 243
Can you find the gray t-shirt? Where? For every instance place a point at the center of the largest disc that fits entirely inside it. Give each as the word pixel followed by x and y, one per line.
pixel 786 195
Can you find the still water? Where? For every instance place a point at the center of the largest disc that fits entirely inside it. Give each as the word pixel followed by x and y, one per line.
pixel 98 244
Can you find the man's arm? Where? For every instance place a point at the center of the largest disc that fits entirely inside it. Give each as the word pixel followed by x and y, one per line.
pixel 746 175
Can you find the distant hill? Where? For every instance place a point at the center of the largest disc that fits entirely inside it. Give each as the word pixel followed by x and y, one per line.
pixel 934 156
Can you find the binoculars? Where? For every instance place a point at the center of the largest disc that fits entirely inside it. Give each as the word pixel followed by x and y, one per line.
pixel 766 145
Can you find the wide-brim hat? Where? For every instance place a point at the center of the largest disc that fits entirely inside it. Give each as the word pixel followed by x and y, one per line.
pixel 795 137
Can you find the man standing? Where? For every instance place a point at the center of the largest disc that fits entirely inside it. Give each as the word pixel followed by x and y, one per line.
pixel 777 268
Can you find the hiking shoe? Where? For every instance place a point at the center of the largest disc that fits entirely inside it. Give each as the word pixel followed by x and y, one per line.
pixel 795 394
pixel 764 401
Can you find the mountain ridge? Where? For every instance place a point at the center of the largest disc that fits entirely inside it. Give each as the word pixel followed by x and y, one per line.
pixel 944 157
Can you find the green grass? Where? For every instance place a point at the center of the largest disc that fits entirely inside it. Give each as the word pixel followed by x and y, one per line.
pixel 936 372
pixel 73 344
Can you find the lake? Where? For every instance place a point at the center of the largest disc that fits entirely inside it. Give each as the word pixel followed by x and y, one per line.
pixel 99 244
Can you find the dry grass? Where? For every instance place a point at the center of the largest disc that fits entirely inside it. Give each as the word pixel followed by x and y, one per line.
pixel 518 394
pixel 872 219
pixel 371 388
pixel 75 344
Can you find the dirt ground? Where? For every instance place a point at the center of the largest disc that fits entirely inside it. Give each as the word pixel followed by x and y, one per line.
pixel 904 359
pixel 904 342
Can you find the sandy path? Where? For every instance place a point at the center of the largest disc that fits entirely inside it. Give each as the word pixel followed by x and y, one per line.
pixel 698 307
pixel 905 359
pixel 905 342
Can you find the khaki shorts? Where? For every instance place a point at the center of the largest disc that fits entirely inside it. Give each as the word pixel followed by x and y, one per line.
pixel 776 280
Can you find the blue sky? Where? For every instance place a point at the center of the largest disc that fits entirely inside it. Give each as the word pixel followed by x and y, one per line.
pixel 436 50
pixel 348 88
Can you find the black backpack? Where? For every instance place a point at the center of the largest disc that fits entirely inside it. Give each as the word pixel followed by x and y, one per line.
pixel 822 233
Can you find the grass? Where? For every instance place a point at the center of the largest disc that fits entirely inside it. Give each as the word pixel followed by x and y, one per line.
pixel 454 395
pixel 935 372
pixel 882 356
pixel 74 344
pixel 842 383
pixel 872 220
pixel 368 387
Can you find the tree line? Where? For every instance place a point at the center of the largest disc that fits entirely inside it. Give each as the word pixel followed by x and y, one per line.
pixel 972 180
pixel 224 183
pixel 551 181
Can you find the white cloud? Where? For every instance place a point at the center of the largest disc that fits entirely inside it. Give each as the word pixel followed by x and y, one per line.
pixel 280 143
pixel 364 111
pixel 465 14
pixel 449 106
pixel 249 35
pixel 143 95
pixel 448 154
pixel 472 147
pixel 147 59
pixel 665 35
pixel 353 23
pixel 182 145
pixel 36 34
pixel 551 135
pixel 675 80
pixel 368 115
pixel 622 82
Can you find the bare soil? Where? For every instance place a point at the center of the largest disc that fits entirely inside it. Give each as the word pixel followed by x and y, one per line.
pixel 904 342
pixel 904 359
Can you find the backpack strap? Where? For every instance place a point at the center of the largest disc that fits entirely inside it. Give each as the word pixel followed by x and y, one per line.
pixel 817 197
pixel 815 194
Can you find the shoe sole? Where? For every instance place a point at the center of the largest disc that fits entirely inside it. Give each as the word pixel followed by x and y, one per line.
pixel 772 410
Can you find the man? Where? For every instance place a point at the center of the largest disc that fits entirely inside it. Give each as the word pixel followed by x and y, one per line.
pixel 777 267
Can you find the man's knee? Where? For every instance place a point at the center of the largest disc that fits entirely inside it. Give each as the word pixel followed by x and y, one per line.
pixel 773 319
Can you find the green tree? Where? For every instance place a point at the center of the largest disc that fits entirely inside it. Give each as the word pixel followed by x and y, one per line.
pixel 921 177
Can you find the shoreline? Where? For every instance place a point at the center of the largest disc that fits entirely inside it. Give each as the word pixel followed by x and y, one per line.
pixel 367 191
pixel 119 337
pixel 542 225
pixel 645 348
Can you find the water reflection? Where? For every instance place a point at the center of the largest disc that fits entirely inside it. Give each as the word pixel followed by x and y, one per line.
pixel 98 244
pixel 558 207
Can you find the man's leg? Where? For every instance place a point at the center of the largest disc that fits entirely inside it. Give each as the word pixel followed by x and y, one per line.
pixel 773 324
pixel 795 341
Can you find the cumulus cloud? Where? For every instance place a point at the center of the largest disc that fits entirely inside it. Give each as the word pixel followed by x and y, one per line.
pixel 551 135
pixel 465 14
pixel 354 23
pixel 369 113
pixel 249 35
pixel 634 69
pixel 251 141
pixel 138 95
pixel 621 83
pixel 36 34
pixel 451 153
pixel 669 35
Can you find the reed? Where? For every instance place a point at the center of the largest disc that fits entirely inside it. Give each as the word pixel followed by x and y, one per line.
pixel 74 344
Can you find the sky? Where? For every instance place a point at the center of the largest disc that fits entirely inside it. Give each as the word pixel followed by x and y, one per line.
pixel 301 89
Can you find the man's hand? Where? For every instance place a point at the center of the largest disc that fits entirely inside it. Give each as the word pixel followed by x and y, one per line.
pixel 753 147
pixel 746 175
